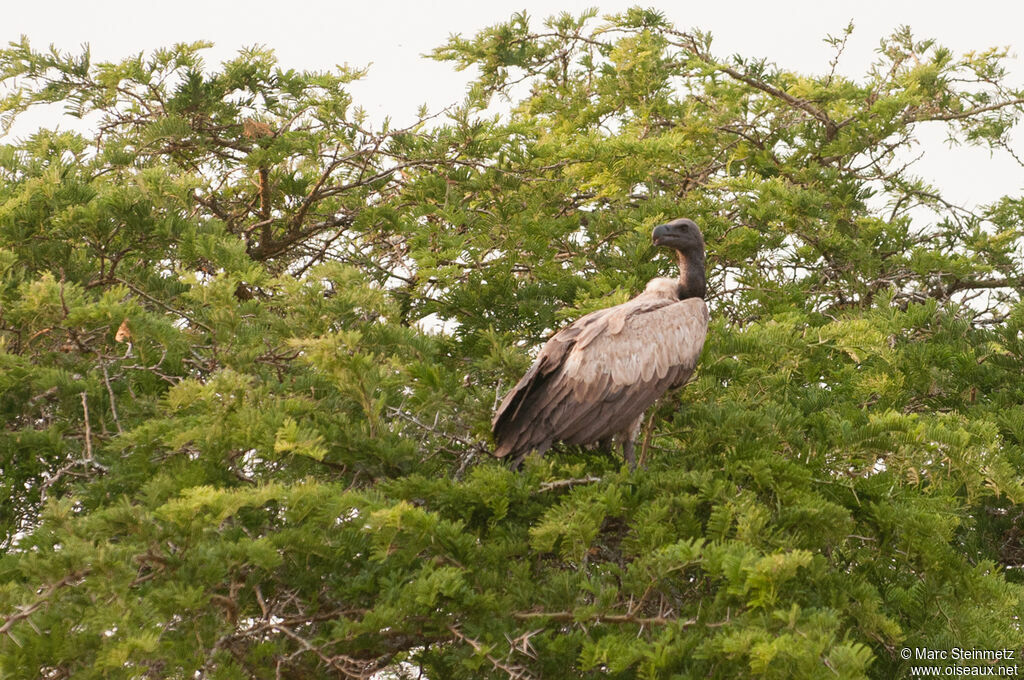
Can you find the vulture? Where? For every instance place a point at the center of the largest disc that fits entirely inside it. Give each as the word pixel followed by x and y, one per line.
pixel 593 380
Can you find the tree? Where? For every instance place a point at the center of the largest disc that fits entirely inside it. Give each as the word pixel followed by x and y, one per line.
pixel 251 345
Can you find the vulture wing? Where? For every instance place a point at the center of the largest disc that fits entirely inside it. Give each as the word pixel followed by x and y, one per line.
pixel 596 376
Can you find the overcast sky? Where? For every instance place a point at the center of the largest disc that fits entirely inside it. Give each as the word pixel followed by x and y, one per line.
pixel 393 35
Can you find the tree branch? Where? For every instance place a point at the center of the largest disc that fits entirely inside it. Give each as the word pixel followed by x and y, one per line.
pixel 571 617
pixel 568 483
pixel 25 611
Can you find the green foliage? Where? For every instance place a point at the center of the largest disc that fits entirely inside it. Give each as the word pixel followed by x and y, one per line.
pixel 250 344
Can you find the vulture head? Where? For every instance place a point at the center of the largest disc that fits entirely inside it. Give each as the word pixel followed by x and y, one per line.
pixel 684 237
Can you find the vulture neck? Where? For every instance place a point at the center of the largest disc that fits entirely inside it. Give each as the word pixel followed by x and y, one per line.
pixel 692 281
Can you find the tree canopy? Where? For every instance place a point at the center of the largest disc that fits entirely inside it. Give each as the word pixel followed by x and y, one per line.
pixel 251 341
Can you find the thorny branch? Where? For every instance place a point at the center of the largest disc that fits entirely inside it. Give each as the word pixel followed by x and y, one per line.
pixel 570 617
pixel 88 461
pixel 44 597
pixel 465 449
pixel 513 671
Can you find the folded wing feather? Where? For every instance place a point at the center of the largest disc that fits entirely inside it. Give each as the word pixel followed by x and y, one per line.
pixel 597 375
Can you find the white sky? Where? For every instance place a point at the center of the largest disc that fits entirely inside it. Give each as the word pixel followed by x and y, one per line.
pixel 392 35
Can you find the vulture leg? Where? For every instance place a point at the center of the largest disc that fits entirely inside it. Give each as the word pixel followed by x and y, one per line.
pixel 629 442
pixel 517 462
pixel 627 452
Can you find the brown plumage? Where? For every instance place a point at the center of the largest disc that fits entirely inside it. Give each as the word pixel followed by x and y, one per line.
pixel 595 378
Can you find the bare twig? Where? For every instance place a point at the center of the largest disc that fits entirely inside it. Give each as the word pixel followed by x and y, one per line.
pixel 163 304
pixel 568 483
pixel 474 446
pixel 346 666
pixel 515 672
pixel 25 611
pixel 173 380
pixel 113 403
pixel 52 391
pixel 88 430
pixel 570 617
pixel 88 461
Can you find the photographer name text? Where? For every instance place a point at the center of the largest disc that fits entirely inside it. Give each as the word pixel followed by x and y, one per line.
pixel 957 654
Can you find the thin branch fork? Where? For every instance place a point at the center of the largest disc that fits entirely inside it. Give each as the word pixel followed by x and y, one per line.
pixel 830 125
pixel 514 672
pixel 346 666
pixel 690 44
pixel 25 611
pixel 433 429
pixel 163 304
pixel 88 461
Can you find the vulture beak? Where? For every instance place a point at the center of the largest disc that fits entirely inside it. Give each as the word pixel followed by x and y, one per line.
pixel 660 233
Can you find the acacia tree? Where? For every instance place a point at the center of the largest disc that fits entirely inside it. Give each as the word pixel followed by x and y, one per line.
pixel 251 344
